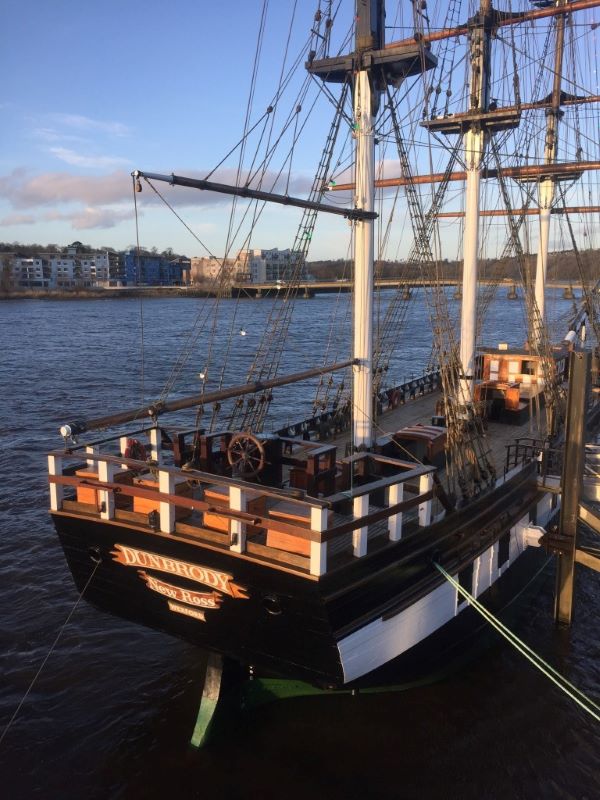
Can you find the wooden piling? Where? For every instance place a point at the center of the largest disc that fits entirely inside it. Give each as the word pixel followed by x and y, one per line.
pixel 572 482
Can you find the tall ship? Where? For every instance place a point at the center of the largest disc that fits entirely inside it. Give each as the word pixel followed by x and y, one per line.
pixel 316 550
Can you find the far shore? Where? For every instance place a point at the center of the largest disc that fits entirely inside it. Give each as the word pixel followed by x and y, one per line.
pixel 241 291
pixel 105 294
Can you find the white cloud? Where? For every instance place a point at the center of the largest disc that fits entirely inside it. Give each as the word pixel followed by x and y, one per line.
pixel 88 218
pixel 89 162
pixel 52 135
pixel 25 190
pixel 18 219
pixel 81 123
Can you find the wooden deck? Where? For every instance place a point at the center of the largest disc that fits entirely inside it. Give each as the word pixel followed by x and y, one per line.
pixel 422 409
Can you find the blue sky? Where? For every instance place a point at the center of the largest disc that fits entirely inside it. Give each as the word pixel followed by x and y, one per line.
pixel 94 89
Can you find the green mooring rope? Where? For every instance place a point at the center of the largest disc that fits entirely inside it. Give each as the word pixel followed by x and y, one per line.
pixel 571 691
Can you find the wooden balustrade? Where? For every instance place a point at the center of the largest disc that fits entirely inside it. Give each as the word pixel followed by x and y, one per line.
pixel 305 532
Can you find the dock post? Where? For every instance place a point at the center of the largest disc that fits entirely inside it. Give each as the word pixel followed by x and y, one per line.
pixel 209 700
pixel 572 481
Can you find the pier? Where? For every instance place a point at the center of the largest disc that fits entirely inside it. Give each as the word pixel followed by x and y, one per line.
pixel 311 288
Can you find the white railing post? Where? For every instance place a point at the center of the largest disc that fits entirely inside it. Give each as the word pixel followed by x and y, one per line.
pixel 395 495
pixel 155 451
pixel 318 550
pixel 360 508
pixel 237 502
pixel 425 485
pixel 166 485
pixel 56 489
pixel 106 474
pixel 123 448
pixel 91 449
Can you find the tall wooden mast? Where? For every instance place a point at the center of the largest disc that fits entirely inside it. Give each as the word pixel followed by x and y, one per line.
pixel 474 147
pixel 369 36
pixel 546 186
pixel 370 68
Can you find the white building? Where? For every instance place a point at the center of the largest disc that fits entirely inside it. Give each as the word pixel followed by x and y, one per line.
pixel 269 266
pixel 59 271
pixel 31 273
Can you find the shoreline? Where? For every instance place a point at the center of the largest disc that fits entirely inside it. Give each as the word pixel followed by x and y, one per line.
pixel 248 291
pixel 105 294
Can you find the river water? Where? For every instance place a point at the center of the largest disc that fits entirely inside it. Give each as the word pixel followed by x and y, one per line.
pixel 111 712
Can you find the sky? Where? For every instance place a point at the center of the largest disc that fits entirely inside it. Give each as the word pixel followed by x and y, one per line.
pixel 94 90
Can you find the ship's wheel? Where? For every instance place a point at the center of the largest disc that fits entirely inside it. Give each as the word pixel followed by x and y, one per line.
pixel 246 454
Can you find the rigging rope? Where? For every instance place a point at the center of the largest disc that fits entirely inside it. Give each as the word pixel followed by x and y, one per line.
pixel 538 339
pixel 221 282
pixel 538 662
pixel 49 653
pixel 272 345
pixel 137 258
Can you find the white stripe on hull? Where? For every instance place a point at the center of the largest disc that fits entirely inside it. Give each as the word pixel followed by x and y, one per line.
pixel 383 640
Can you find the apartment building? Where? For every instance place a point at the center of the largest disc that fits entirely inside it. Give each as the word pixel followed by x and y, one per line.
pixel 270 266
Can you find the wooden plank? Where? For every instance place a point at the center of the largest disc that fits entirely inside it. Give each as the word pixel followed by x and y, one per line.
pixel 146 505
pixel 281 556
pixel 288 542
pixel 80 508
pixel 199 532
pixel 589 517
pixel 587 558
pixel 288 511
pixel 131 516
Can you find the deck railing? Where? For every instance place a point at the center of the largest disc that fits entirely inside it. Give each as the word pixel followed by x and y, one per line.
pixel 323 426
pixel 158 497
pixel 527 449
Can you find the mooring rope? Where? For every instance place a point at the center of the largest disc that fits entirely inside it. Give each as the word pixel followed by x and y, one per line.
pixel 559 680
pixel 49 653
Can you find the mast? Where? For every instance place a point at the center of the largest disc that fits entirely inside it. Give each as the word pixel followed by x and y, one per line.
pixel 546 186
pixel 369 35
pixel 474 147
pixel 371 68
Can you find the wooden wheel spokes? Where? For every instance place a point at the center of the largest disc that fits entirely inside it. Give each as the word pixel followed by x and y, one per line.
pixel 246 454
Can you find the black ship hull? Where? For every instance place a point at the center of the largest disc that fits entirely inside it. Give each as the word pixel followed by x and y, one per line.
pixel 332 630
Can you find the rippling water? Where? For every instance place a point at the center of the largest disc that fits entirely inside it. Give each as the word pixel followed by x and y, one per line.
pixel 111 712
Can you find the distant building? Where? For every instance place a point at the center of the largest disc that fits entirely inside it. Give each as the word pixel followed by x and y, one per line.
pixel 269 266
pixel 70 270
pixel 207 269
pixel 31 273
pixel 152 269
pixel 85 270
pixel 112 263
pixel 80 267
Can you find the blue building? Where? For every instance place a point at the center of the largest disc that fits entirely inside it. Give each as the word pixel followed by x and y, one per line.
pixel 152 269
